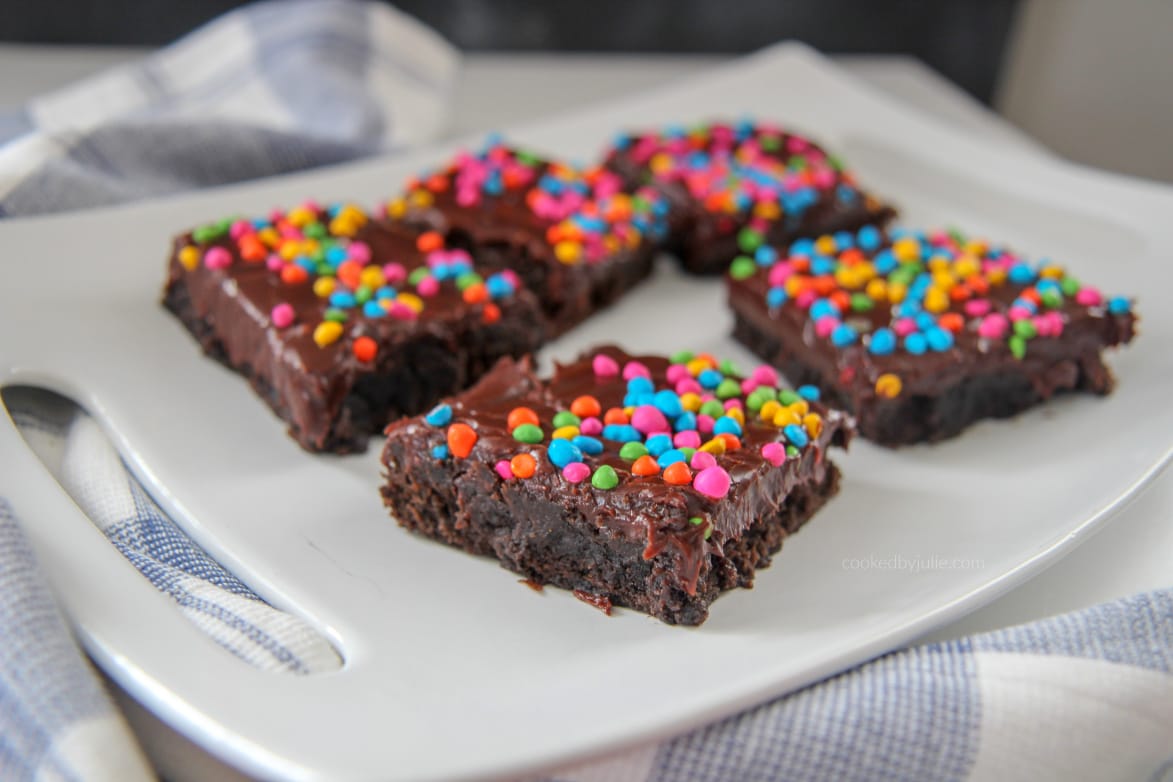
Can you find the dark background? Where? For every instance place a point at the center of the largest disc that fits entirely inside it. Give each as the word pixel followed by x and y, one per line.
pixel 962 39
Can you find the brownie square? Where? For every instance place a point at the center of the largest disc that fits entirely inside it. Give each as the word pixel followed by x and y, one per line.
pixel 736 186
pixel 921 334
pixel 576 237
pixel 649 482
pixel 341 323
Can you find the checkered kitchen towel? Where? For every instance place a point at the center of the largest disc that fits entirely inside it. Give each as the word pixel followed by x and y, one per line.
pixel 274 87
pixel 1084 696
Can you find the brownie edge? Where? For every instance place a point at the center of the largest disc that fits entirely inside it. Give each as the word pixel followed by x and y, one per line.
pixel 646 538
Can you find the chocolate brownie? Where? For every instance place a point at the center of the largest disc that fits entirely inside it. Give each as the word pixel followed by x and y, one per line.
pixel 736 186
pixel 921 334
pixel 576 237
pixel 647 482
pixel 341 323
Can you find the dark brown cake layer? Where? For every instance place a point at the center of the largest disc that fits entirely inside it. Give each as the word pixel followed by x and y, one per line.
pixel 975 331
pixel 576 238
pixel 664 531
pixel 736 186
pixel 356 327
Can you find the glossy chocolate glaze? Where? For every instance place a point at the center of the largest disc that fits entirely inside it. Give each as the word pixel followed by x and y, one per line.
pixel 786 337
pixel 310 383
pixel 502 231
pixel 706 240
pixel 645 511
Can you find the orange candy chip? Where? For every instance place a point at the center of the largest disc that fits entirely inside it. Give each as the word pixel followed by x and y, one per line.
pixel 615 415
pixel 490 313
pixel 461 439
pixel 365 349
pixel 585 407
pixel 429 241
pixel 521 415
pixel 645 466
pixel 292 274
pixel 677 474
pixel 523 465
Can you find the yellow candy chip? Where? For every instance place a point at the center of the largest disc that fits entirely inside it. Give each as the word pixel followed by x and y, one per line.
pixel 736 414
pixel 936 300
pixel 565 432
pixel 996 275
pixel 568 252
pixel 690 401
pixel 938 263
pixel 1052 272
pixel 888 386
pixel 323 287
pixel 966 266
pixel 769 410
pixel 906 249
pixel 786 417
pixel 189 257
pixel 411 300
pixel 660 163
pixel 421 198
pixel 800 407
pixel 866 270
pixel 896 292
pixel 327 333
pixel 767 210
pixel 975 247
pixel 372 276
pixel 696 366
pixel 300 216
pixel 716 446
pixel 396 208
pixel 944 280
pixel 813 423
pixel 825 245
pixel 341 226
pixel 877 289
pixel 269 236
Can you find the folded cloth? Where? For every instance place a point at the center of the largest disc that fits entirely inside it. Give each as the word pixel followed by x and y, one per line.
pixel 274 87
pixel 1083 696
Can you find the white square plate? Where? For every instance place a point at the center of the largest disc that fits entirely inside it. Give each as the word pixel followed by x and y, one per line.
pixel 454 670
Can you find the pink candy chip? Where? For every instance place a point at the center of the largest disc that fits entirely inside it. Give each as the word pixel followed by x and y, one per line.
pixel 1089 297
pixel 428 287
pixel 774 453
pixel 592 427
pixel 635 369
pixel 712 481
pixel 282 315
pixel 576 472
pixel 605 366
pixel 702 460
pixel 648 419
pixel 217 258
pixel 689 438
pixel 993 326
pixel 504 470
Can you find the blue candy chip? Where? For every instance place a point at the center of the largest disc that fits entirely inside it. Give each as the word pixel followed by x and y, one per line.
pixel 843 335
pixel 440 415
pixel 775 297
pixel 563 452
pixel 726 425
pixel 809 393
pixel 640 385
pixel 671 456
pixel 621 433
pixel 587 444
pixel 668 403
pixel 939 339
pixel 1118 305
pixel 710 378
pixel 440 452
pixel 916 343
pixel 684 422
pixel 795 435
pixel 657 444
pixel 883 341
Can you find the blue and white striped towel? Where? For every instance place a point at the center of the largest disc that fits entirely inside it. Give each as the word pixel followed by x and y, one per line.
pixel 275 87
pixel 1084 696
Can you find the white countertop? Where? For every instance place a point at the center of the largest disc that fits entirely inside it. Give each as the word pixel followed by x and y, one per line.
pixel 1129 555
